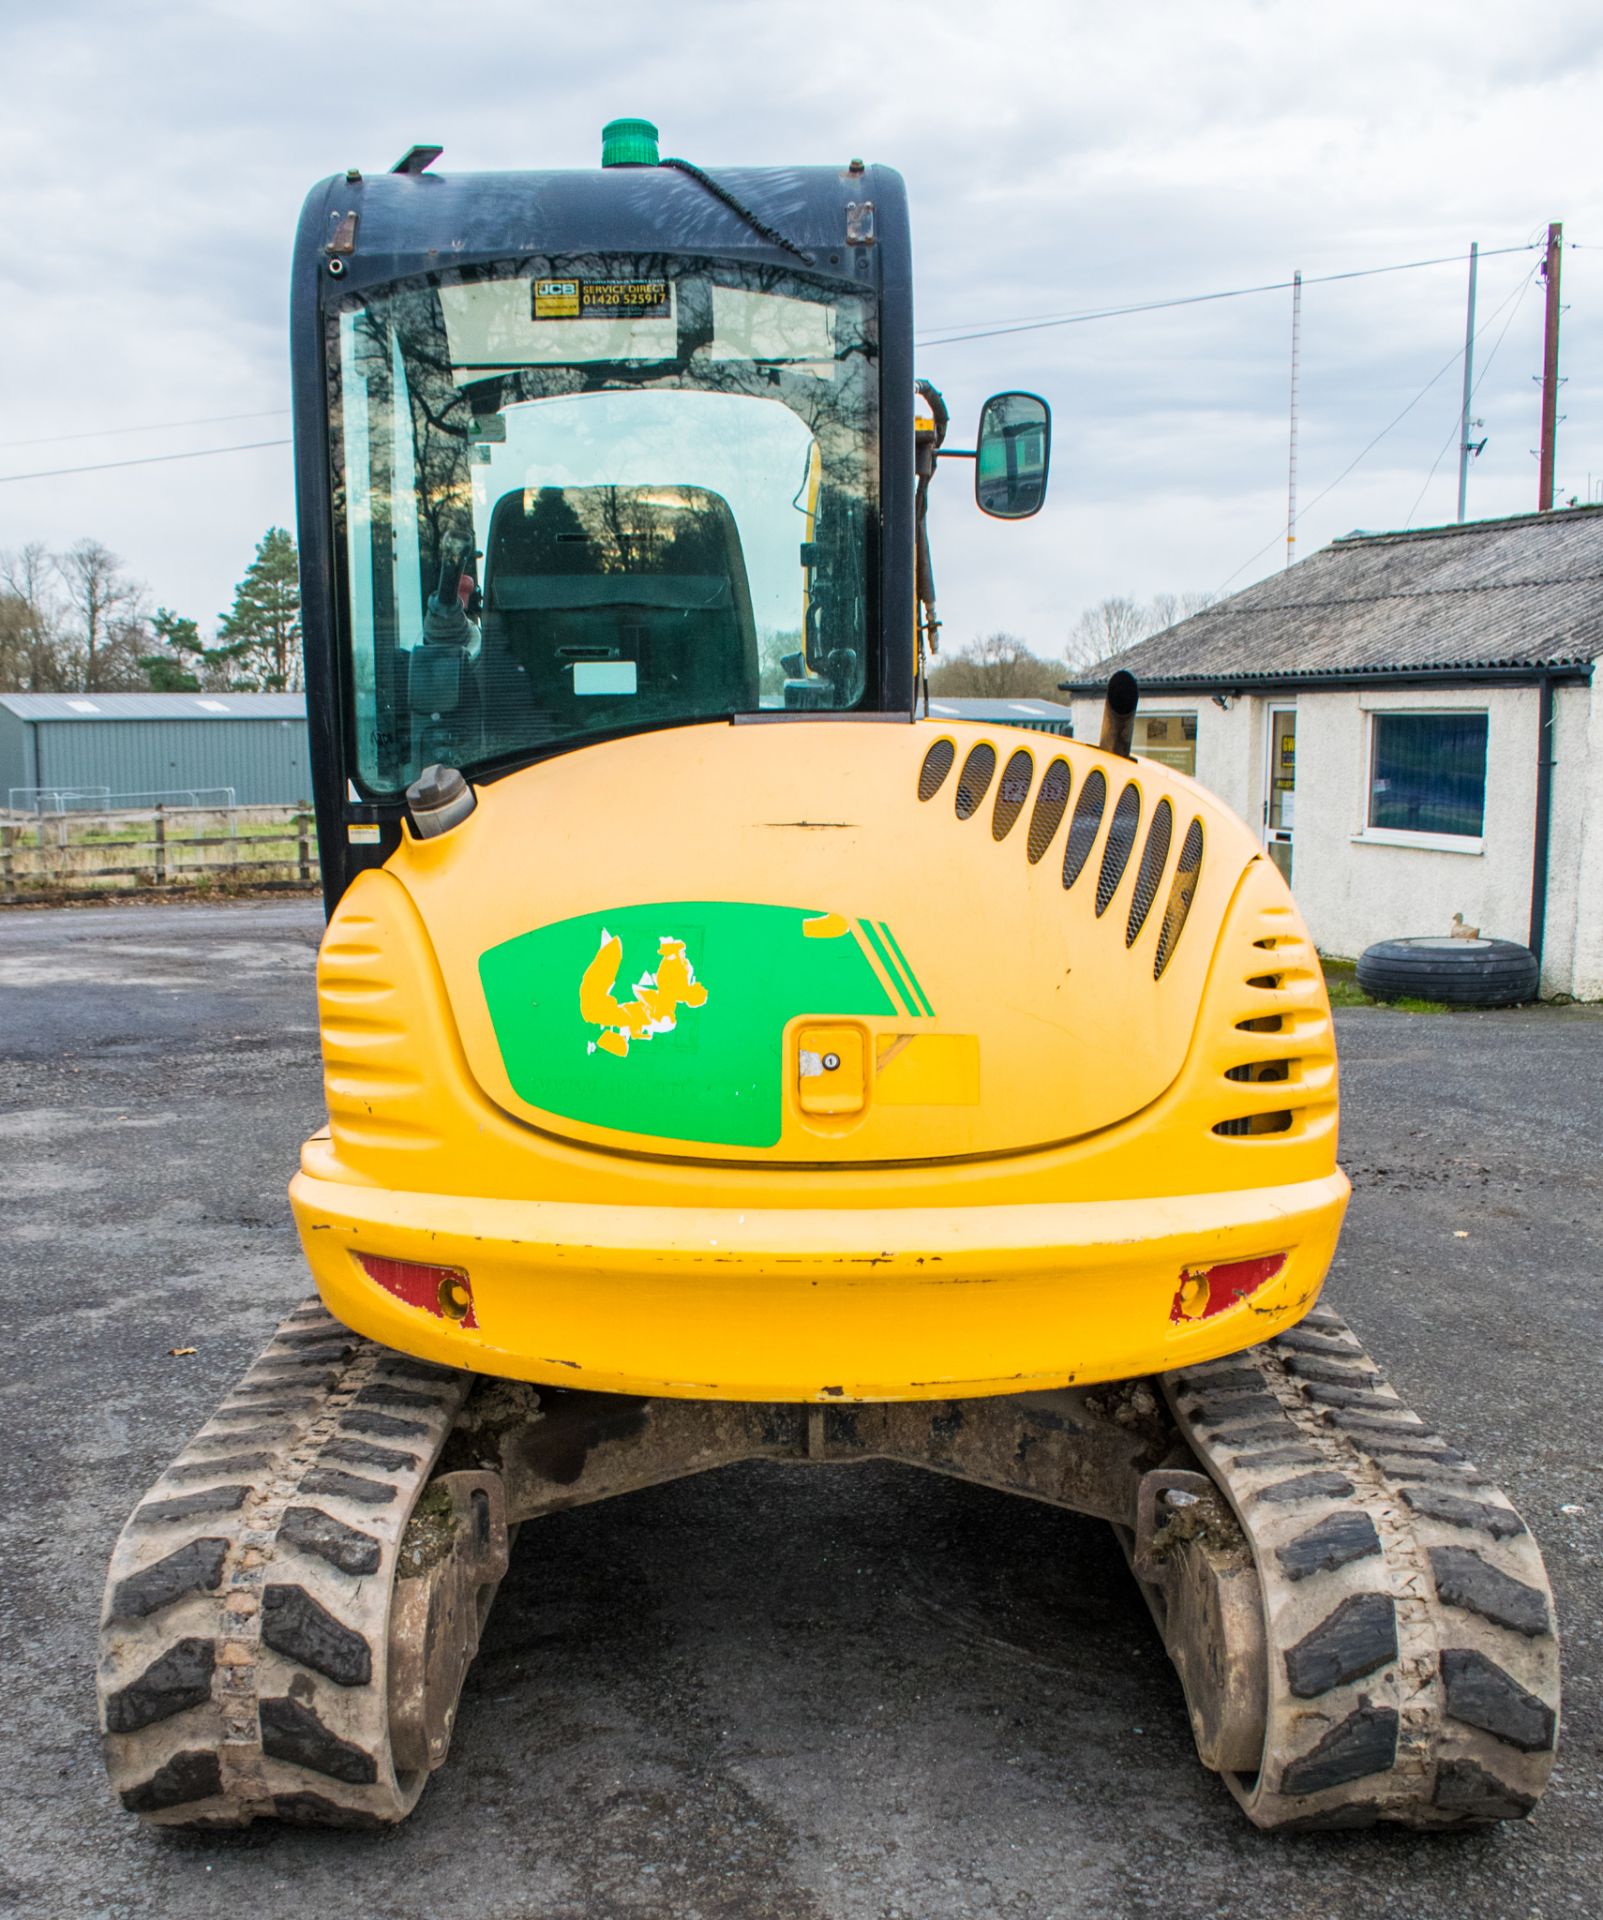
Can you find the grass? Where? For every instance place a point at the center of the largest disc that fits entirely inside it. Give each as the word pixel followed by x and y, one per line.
pixel 1341 982
pixel 214 826
pixel 118 852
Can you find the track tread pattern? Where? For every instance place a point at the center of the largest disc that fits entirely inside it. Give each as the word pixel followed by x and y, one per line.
pixel 1413 1661
pixel 244 1636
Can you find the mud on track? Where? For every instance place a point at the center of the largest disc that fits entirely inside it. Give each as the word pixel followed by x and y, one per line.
pixel 774 1691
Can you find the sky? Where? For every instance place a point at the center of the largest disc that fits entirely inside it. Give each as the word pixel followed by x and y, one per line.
pixel 1060 157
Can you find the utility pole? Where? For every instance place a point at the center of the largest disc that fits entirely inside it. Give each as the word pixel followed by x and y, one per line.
pixel 1296 355
pixel 1550 273
pixel 1464 448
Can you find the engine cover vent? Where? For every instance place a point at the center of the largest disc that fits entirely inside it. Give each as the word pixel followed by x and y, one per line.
pixel 1012 793
pixel 1050 803
pixel 1085 825
pixel 1121 843
pixel 1154 856
pixel 1182 890
pixel 974 782
pixel 937 765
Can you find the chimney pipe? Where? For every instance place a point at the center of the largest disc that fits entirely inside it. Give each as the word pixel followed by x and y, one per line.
pixel 1118 714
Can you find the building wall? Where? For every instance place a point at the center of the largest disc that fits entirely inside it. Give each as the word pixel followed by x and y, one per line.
pixel 1575 899
pixel 16 754
pixel 1231 744
pixel 1355 887
pixel 266 762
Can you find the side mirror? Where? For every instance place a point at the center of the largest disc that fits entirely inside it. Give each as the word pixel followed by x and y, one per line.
pixel 1012 454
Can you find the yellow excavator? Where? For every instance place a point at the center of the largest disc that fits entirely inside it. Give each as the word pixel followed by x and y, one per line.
pixel 725 1060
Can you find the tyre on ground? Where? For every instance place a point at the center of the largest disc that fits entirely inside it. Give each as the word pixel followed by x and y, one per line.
pixel 1458 972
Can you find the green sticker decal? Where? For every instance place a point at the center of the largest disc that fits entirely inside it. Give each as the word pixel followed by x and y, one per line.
pixel 669 1019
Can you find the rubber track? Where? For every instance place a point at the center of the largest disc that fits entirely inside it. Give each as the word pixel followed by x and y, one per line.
pixel 1413 1659
pixel 244 1635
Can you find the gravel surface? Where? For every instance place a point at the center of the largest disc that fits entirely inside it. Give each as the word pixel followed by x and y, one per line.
pixel 774 1691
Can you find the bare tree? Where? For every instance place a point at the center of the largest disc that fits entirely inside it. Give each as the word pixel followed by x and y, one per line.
pixel 996 666
pixel 1108 627
pixel 1169 609
pixel 34 654
pixel 1119 622
pixel 107 631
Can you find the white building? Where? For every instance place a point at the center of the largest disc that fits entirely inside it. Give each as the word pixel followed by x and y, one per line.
pixel 1410 721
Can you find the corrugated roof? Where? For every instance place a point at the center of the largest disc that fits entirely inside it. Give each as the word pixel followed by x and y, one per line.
pixel 1489 595
pixel 155 706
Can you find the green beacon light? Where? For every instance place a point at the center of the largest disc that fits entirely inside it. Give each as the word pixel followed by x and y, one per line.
pixel 629 143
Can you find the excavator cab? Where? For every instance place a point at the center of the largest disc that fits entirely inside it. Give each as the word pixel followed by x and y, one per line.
pixel 726 1057
pixel 609 482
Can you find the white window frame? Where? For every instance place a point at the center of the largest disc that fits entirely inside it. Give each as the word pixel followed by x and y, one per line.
pixel 1368 836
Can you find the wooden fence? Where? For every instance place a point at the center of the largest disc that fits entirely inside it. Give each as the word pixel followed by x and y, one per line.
pixel 196 848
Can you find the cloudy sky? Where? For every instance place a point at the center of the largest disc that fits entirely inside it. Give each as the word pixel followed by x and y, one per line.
pixel 1061 157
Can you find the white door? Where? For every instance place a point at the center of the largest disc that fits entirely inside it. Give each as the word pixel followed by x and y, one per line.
pixel 1280 788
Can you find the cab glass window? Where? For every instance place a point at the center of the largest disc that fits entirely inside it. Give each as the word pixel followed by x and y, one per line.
pixel 580 497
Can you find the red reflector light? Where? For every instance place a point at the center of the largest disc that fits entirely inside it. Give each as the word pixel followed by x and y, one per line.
pixel 1205 1291
pixel 446 1292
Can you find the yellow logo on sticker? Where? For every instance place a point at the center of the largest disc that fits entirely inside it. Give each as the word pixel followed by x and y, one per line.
pixel 556 299
pixel 658 996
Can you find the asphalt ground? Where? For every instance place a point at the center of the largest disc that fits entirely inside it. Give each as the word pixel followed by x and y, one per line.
pixel 773 1691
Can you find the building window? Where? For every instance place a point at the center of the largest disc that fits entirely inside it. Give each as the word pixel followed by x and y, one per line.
pixel 1169 738
pixel 1428 773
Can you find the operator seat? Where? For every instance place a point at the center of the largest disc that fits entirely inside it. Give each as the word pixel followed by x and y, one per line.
pixel 608 606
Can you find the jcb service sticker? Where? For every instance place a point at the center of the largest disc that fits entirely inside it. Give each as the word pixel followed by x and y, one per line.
pixel 601 300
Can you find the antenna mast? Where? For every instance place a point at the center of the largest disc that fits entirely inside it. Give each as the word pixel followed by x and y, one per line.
pixel 1296 356
pixel 1465 449
pixel 1550 273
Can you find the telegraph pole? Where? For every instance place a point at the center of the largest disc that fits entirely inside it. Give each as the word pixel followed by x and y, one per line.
pixel 1550 273
pixel 1296 354
pixel 1469 382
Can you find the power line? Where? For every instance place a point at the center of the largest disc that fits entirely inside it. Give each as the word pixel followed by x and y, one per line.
pixel 1397 421
pixel 149 460
pixel 158 426
pixel 1521 290
pixel 1200 299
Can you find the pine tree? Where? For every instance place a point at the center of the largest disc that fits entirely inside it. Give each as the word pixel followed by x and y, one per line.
pixel 261 635
pixel 173 670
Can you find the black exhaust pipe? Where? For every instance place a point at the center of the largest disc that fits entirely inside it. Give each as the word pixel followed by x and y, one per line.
pixel 1118 714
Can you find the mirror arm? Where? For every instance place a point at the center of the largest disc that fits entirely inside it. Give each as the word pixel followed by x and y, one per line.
pixel 958 453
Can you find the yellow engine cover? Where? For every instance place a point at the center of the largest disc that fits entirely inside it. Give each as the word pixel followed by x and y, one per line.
pixel 637 940
pixel 718 1059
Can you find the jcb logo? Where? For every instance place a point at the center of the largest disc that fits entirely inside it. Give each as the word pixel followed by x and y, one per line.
pixel 556 299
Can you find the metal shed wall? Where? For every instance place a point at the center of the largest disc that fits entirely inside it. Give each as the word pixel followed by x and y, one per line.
pixel 265 761
pixel 16 753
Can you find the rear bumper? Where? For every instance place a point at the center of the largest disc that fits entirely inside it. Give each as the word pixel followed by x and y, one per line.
pixel 844 1304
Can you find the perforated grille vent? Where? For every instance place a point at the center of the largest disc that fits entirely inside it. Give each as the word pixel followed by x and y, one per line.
pixel 1121 843
pixel 937 765
pixel 1085 824
pixel 975 779
pixel 1011 793
pixel 1154 856
pixel 1049 804
pixel 1182 890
